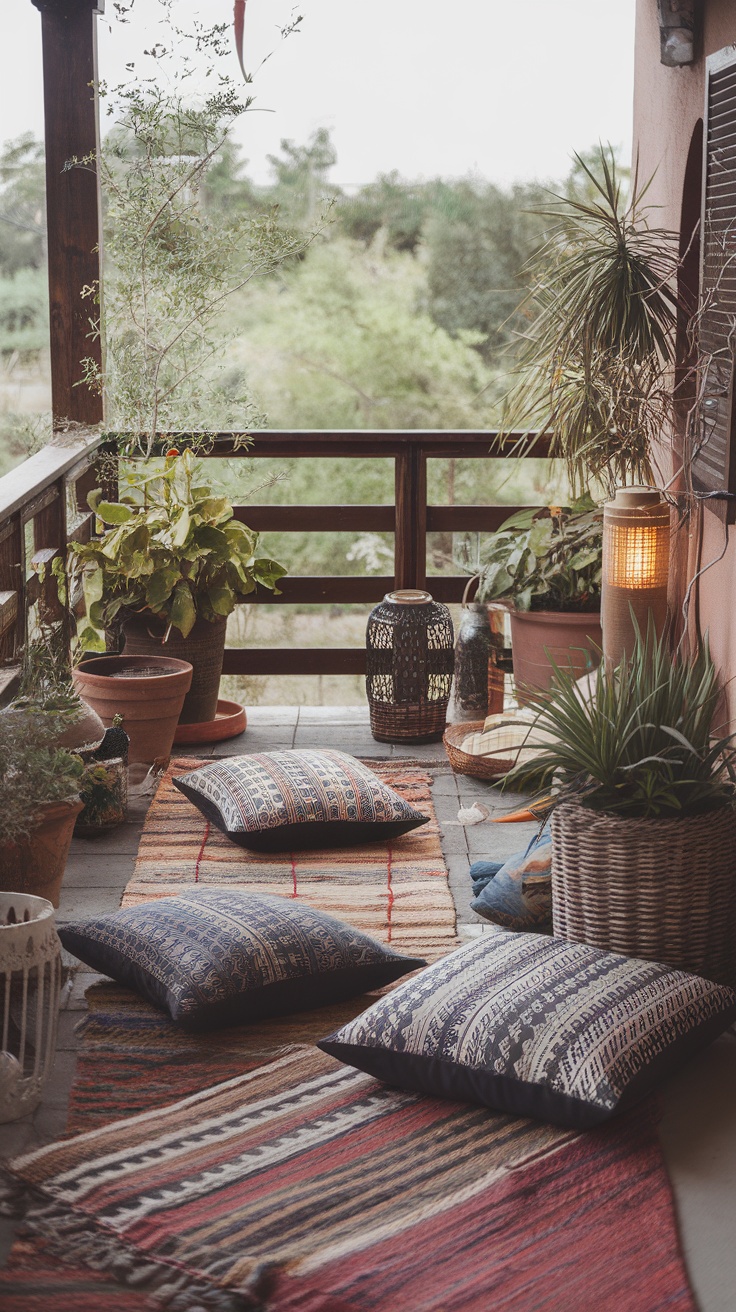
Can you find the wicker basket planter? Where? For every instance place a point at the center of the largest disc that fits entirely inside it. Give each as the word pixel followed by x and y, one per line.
pixel 664 890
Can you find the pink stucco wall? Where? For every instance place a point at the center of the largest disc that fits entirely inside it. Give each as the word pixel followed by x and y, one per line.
pixel 667 104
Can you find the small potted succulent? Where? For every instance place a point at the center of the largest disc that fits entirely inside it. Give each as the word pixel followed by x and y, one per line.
pixel 39 803
pixel 104 788
pixel 546 565
pixel 170 566
pixel 46 687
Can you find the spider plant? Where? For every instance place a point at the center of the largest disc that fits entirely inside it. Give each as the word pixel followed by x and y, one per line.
pixel 641 741
pixel 593 368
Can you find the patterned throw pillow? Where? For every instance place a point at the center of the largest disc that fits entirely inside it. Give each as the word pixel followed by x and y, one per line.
pixel 215 957
pixel 283 801
pixel 536 1026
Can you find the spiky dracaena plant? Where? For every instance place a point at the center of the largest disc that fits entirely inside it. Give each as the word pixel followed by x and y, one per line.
pixel 593 368
pixel 641 742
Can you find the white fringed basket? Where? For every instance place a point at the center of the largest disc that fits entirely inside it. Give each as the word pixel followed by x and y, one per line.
pixel 30 985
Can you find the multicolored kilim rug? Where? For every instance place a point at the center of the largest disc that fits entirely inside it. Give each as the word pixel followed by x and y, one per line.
pixel 300 1185
pixel 134 1058
pixel 397 892
pixel 304 1184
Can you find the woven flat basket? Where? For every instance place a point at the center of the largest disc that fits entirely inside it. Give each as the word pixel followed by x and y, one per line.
pixel 664 890
pixel 480 767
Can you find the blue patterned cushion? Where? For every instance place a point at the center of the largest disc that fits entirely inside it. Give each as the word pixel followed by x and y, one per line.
pixel 219 957
pixel 290 801
pixel 536 1026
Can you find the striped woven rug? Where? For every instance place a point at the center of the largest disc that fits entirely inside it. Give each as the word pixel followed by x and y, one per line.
pixel 305 1185
pixel 397 892
pixel 299 1185
pixel 134 1058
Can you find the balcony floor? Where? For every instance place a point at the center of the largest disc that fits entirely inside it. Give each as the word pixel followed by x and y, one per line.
pixel 698 1130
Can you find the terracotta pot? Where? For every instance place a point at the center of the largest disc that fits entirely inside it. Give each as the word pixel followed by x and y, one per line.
pixel 85 733
pixel 36 864
pixel 204 648
pixel 229 722
pixel 82 732
pixel 571 639
pixel 150 703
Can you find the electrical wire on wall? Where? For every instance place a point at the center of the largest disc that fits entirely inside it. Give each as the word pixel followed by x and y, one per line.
pixel 721 495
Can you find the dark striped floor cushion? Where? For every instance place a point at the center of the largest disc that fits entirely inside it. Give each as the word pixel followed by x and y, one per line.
pixel 531 1024
pixel 214 957
pixel 279 801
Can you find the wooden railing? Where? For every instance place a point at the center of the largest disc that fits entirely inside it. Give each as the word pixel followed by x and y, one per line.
pixel 43 506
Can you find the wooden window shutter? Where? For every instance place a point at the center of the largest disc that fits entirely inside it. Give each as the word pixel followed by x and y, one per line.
pixel 714 465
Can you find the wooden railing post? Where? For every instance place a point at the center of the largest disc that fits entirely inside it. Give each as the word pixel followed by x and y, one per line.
pixel 72 202
pixel 410 560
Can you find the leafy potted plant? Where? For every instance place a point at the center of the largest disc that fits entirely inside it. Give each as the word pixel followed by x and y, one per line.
pixel 643 809
pixel 170 566
pixel 39 803
pixel 546 564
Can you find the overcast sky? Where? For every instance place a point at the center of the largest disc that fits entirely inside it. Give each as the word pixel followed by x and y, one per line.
pixel 505 89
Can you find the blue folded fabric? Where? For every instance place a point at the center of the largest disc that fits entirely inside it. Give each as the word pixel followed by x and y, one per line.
pixel 516 893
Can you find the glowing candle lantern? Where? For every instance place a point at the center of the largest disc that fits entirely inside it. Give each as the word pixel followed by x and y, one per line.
pixel 636 552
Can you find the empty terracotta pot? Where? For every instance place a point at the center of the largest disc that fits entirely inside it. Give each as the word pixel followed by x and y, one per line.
pixel 36 864
pixel 148 691
pixel 572 639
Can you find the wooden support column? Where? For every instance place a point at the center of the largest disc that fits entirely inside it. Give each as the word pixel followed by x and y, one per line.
pixel 410 561
pixel 72 200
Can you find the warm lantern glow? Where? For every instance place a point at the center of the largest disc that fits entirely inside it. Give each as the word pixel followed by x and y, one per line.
pixel 636 548
pixel 638 555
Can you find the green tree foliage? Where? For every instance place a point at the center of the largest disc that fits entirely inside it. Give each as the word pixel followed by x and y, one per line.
pixel 345 345
pixel 173 262
pixel 24 313
pixel 478 250
pixel 301 187
pixel 22 205
pixel 393 206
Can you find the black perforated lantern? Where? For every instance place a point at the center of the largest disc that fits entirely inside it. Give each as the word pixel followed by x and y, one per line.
pixel 410 658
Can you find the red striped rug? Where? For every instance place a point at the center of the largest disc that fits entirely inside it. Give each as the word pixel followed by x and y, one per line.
pixel 397 892
pixel 134 1058
pixel 307 1185
pixel 362 1199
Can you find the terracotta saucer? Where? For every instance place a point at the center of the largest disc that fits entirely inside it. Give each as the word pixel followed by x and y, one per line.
pixel 228 723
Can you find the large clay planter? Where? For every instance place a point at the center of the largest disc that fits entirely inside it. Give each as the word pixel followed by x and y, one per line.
pixel 36 864
pixel 203 648
pixel 150 703
pixel 571 639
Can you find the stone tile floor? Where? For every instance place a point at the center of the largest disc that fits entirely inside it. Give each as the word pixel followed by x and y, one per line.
pixel 698 1130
